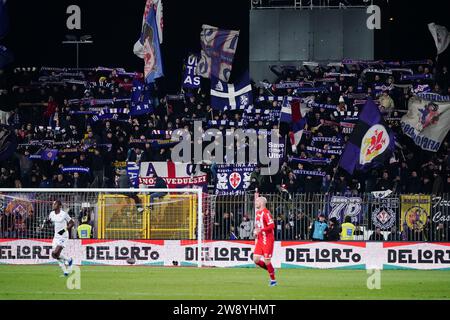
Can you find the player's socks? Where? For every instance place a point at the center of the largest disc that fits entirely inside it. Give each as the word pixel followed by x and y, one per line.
pixel 62 266
pixel 262 264
pixel 271 271
pixel 63 258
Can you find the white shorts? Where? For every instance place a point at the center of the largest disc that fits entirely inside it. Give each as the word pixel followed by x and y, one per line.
pixel 59 242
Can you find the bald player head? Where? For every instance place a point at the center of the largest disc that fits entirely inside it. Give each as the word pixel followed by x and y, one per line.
pixel 261 203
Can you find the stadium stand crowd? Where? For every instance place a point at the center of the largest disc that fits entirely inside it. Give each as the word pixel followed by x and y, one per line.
pixel 48 107
pixel 54 109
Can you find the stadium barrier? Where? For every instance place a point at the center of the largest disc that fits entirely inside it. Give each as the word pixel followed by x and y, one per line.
pixel 422 218
pixel 235 254
pixel 115 215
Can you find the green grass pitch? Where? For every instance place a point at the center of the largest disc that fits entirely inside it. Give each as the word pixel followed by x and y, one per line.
pixel 133 282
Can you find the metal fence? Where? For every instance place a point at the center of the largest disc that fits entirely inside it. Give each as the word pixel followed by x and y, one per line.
pixel 396 218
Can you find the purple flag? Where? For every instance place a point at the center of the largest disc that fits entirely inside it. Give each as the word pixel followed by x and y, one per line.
pixel 218 49
pixel 371 143
pixel 49 155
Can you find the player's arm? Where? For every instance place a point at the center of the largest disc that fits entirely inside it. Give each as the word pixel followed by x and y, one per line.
pixel 270 225
pixel 46 222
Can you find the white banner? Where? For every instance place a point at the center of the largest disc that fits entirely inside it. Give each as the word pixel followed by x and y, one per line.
pixel 176 175
pixel 322 255
pixel 228 254
pixel 117 252
pixel 35 251
pixel 235 254
pixel 419 256
pixel 427 123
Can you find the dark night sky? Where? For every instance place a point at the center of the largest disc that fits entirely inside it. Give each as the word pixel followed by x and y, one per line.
pixel 38 27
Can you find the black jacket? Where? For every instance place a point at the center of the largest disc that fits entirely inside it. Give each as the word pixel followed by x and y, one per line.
pixel 334 233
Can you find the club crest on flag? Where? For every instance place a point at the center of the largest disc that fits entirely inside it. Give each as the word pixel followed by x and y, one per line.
pixel 235 180
pixel 383 218
pixel 371 143
pixel 375 142
pixel 429 116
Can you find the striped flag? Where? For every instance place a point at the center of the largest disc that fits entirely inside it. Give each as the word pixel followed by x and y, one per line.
pixel 294 113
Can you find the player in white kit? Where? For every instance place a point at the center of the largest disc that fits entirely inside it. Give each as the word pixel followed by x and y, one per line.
pixel 63 223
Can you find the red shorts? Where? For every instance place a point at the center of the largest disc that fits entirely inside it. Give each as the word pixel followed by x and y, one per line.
pixel 264 250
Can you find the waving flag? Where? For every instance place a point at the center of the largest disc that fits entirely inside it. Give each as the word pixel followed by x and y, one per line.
pixel 294 113
pixel 427 122
pixel 441 37
pixel 218 49
pixel 150 51
pixel 371 143
pixel 190 79
pixel 227 96
pixel 150 5
pixel 141 99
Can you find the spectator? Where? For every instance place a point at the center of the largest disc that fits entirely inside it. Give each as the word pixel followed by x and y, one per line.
pixel 98 169
pixel 319 228
pixel 246 228
pixel 123 182
pixel 84 230
pixel 61 182
pixel 280 226
pixel 385 183
pixel 359 233
pixel 394 235
pixel 45 183
pixel 160 183
pixel 226 227
pixel 438 184
pixel 301 226
pixel 440 233
pixel 377 235
pixel 78 181
pixel 334 230
pixel 414 184
pixel 386 102
pixel 256 179
pixel 348 230
pixel 427 186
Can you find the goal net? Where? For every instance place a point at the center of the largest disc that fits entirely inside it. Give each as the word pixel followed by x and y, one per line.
pixel 114 214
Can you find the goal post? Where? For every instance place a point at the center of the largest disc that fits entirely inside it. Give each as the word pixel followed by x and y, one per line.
pixel 114 214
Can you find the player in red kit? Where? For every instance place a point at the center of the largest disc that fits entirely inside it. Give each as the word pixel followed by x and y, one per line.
pixel 264 238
